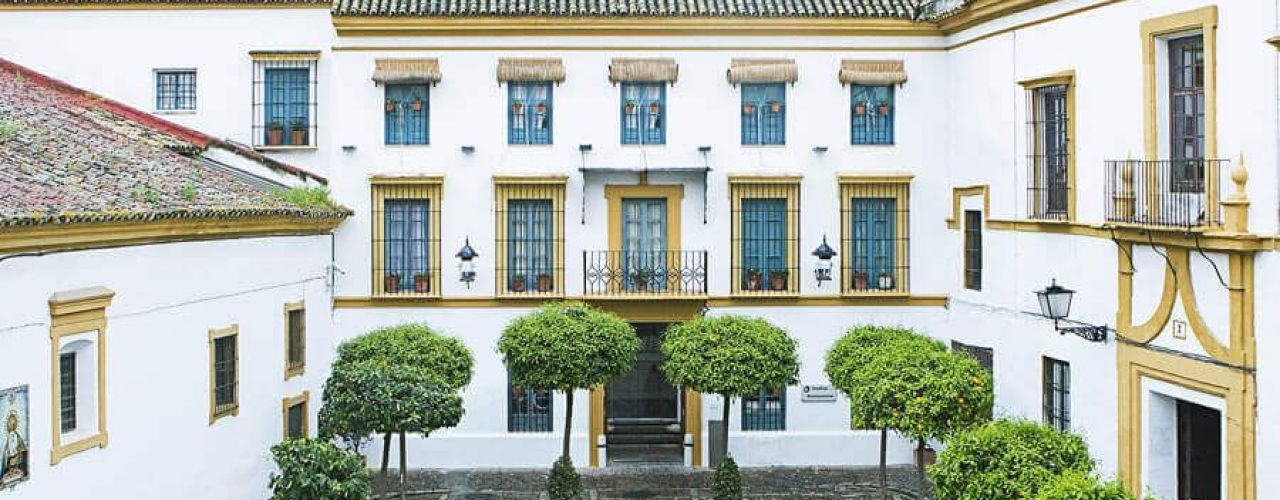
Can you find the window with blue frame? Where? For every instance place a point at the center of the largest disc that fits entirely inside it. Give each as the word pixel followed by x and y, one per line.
pixel 644 113
pixel 528 410
pixel 405 243
pixel 764 107
pixel 874 243
pixel 287 106
pixel 872 114
pixel 530 245
pixel 766 410
pixel 406 115
pixel 529 113
pixel 176 90
pixel 763 241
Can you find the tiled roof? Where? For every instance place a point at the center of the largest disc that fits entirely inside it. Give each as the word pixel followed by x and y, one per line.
pixel 162 2
pixel 629 8
pixel 68 155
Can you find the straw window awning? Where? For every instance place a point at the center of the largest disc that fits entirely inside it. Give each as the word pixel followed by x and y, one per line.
pixel 511 69
pixel 763 71
pixel 659 69
pixel 406 71
pixel 872 72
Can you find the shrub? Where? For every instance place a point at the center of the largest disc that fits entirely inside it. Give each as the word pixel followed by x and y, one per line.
pixel 1006 459
pixel 1077 485
pixel 312 469
pixel 564 483
pixel 726 484
pixel 414 345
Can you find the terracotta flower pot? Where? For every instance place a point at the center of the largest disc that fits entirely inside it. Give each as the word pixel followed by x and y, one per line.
pixel 542 108
pixel 517 108
pixel 775 106
pixel 544 283
pixel 275 137
pixel 391 106
pixel 653 108
pixel 859 109
pixel 777 281
pixel 748 109
pixel 517 284
pixel 630 108
pixel 421 284
pixel 391 284
pixel 859 281
pixel 299 137
pixel 884 109
pixel 753 281
pixel 417 105
pixel 641 283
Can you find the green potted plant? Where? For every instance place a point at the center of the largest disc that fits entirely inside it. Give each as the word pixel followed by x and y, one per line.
pixel 641 278
pixel 298 132
pixel 859 108
pixel 275 133
pixel 420 283
pixel 542 107
pixel 391 105
pixel 517 107
pixel 753 279
pixel 630 107
pixel 545 283
pixel 654 107
pixel 391 283
pixel 748 108
pixel 517 283
pixel 778 279
pixel 884 108
pixel 416 104
pixel 775 106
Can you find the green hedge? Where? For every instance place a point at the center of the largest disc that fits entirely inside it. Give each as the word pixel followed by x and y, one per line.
pixel 311 469
pixel 1007 460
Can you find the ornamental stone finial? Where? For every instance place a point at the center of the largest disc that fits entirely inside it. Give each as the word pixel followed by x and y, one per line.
pixel 1235 207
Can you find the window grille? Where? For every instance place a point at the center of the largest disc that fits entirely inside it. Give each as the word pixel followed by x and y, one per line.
pixel 406 114
pixel 872 114
pixel 1057 394
pixel 296 332
pixel 765 235
pixel 644 113
pixel 765 410
pixel 284 102
pixel 528 410
pixel 406 237
pixel 296 420
pixel 67 391
pixel 529 236
pixel 529 113
pixel 175 90
pixel 973 249
pixel 876 237
pixel 1050 149
pixel 224 374
pixel 1187 113
pixel 764 107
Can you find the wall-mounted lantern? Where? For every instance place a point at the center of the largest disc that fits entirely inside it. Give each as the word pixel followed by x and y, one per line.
pixel 1055 304
pixel 824 253
pixel 466 266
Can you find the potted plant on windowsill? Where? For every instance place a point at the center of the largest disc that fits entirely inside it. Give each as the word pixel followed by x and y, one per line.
pixel 885 281
pixel 275 133
pixel 778 280
pixel 859 280
pixel 748 108
pixel 654 107
pixel 391 283
pixel 391 105
pixel 775 106
pixel 753 279
pixel 545 283
pixel 542 107
pixel 640 278
pixel 420 283
pixel 517 283
pixel 416 104
pixel 884 109
pixel 298 132
pixel 630 107
pixel 860 108
pixel 517 107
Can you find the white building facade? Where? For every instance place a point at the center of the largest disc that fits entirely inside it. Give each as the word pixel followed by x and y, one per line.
pixel 669 164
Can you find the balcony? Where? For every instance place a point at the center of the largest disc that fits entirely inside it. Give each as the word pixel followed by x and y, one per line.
pixel 643 274
pixel 1164 193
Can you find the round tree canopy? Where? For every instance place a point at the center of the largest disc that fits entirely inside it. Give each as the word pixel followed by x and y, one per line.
pixel 365 398
pixel 1006 459
pixel 731 355
pixel 566 346
pixel 1078 485
pixel 414 345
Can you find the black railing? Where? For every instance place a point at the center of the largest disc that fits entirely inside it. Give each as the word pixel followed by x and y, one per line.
pixel 622 272
pixel 1174 193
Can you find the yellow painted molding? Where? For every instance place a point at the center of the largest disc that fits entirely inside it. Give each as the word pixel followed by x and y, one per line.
pixel 693 423
pixel 530 179
pixel 1066 77
pixel 89 235
pixel 506 26
pixel 380 179
pixel 957 193
pixel 957 24
pixel 161 6
pixel 418 187
pixel 288 342
pixel 765 178
pixel 871 300
pixel 873 177
pixel 1209 239
pixel 982 11
pixel 851 299
pixel 595 419
pixel 70 313
pixel 80 300
pixel 1274 41
pixel 658 47
pixel 233 408
pixel 1204 19
pixel 542 187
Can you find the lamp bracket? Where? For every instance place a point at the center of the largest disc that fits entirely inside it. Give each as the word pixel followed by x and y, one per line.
pixel 1089 332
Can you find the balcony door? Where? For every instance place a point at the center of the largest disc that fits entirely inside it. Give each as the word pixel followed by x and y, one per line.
pixel 644 244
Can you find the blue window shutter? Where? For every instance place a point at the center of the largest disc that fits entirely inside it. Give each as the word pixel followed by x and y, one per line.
pixel 629 125
pixel 405 222
pixel 871 127
pixel 404 125
pixel 529 240
pixel 874 235
pixel 750 122
pixel 764 237
pixel 287 100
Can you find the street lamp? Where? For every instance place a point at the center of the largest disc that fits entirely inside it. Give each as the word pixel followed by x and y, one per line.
pixel 1055 304
pixel 824 253
pixel 467 268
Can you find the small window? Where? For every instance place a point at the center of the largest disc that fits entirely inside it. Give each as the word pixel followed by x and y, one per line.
pixel 1057 394
pixel 224 361
pixel 406 114
pixel 528 410
pixel 1050 148
pixel 295 339
pixel 644 113
pixel 529 113
pixel 765 410
pixel 764 107
pixel 296 416
pixel 973 249
pixel 284 100
pixel 872 117
pixel 176 90
pixel 77 334
pixel 67 386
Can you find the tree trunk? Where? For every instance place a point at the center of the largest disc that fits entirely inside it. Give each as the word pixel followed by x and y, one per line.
pixel 727 402
pixel 402 465
pixel 922 485
pixel 386 457
pixel 884 475
pixel 568 421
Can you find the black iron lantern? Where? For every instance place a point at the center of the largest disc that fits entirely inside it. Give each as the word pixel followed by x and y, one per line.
pixel 824 253
pixel 1055 304
pixel 467 268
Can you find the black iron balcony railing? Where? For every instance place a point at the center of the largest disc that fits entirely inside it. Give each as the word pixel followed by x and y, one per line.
pixel 1171 193
pixel 644 273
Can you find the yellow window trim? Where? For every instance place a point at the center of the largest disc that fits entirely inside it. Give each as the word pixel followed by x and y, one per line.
pixel 743 187
pixel 74 312
pixel 515 187
pixel 615 193
pixel 288 341
pixel 232 409
pixel 426 187
pixel 1065 78
pixel 303 399
pixel 873 184
pixel 957 193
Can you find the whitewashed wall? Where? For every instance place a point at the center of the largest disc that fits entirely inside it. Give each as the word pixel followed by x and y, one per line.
pixel 168 296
